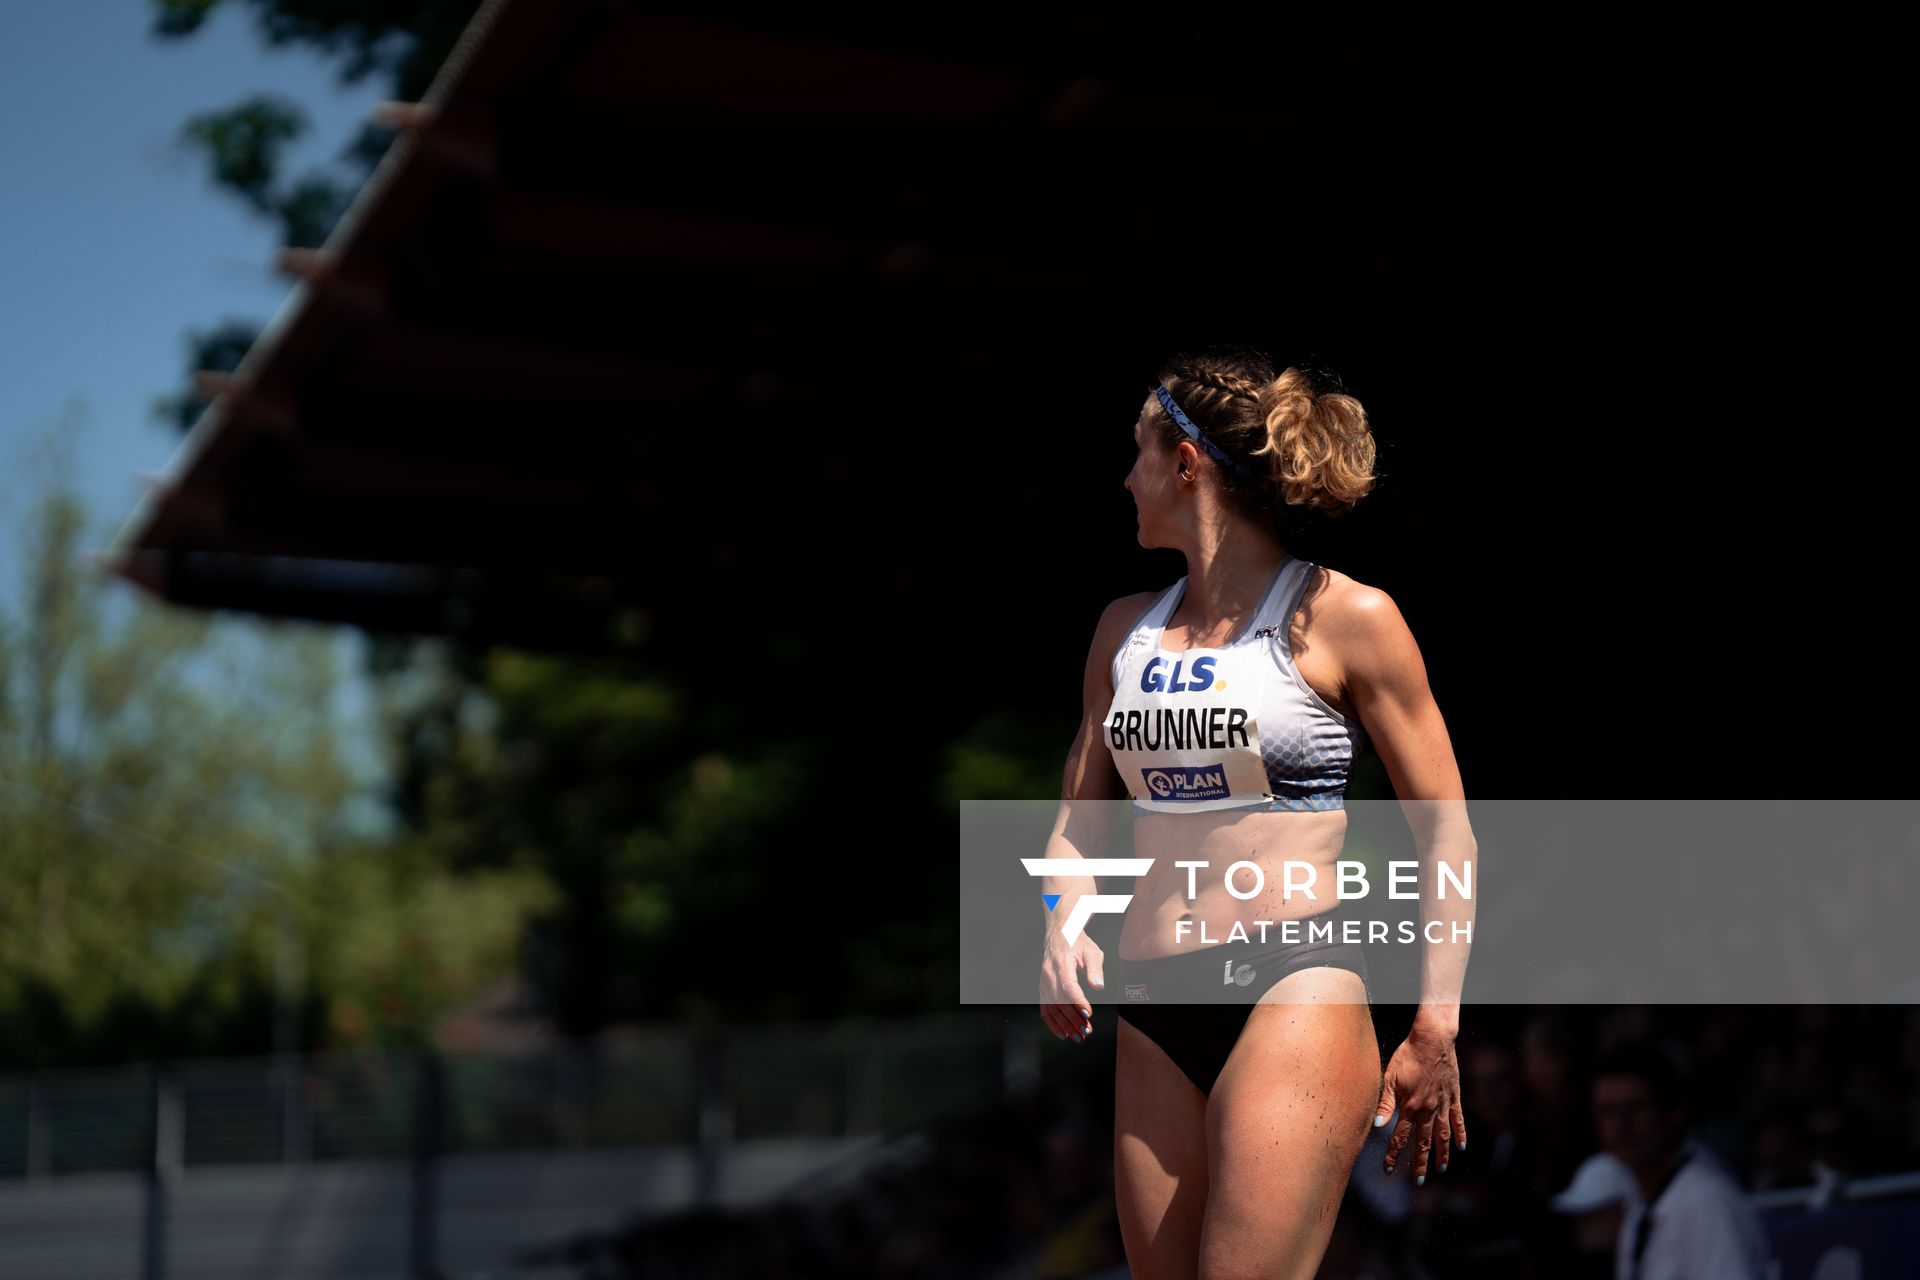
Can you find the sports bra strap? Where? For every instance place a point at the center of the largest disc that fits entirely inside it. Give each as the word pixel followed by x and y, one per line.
pixel 1152 619
pixel 1283 594
pixel 1155 618
pixel 1276 611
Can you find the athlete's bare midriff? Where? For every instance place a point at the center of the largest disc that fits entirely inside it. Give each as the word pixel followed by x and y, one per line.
pixel 1222 838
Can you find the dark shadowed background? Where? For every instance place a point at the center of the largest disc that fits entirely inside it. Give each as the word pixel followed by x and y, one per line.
pixel 709 423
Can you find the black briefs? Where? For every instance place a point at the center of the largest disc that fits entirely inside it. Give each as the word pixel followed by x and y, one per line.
pixel 1194 1003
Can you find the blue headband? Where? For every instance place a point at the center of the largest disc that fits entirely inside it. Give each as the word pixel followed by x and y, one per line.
pixel 1195 434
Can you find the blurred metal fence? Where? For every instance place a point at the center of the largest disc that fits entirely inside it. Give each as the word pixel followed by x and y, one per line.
pixel 668 1086
pixel 390 1163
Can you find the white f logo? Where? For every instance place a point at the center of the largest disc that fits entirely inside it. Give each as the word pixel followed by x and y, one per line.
pixel 1090 903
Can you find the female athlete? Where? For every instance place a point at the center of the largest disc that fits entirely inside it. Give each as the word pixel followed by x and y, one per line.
pixel 1237 700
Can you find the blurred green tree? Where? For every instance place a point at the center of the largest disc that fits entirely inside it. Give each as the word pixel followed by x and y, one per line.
pixel 184 858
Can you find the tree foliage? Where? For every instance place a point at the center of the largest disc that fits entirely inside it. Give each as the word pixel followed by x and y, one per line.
pixel 405 40
pixel 246 144
pixel 185 847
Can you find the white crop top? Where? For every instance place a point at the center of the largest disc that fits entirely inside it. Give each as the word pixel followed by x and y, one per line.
pixel 1228 727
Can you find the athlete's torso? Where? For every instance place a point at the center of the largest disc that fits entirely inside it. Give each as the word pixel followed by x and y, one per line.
pixel 1227 727
pixel 1233 732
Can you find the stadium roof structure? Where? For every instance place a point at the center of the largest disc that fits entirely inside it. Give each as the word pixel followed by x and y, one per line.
pixel 652 306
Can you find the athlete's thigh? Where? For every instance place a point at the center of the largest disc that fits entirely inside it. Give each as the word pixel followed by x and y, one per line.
pixel 1285 1123
pixel 1159 1158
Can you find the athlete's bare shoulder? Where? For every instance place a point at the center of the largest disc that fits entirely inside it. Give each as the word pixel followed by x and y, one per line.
pixel 1118 618
pixel 1124 611
pixel 1348 613
pixel 1111 632
pixel 1340 599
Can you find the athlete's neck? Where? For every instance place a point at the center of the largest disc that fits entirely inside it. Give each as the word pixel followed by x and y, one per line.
pixel 1228 583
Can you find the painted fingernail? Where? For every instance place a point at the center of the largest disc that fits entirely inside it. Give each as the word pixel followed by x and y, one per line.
pixel 1443 1166
pixel 1420 1180
pixel 1378 1121
pixel 1463 1144
pixel 1086 1013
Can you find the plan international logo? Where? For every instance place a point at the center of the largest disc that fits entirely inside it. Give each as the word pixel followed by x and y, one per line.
pixel 1184 782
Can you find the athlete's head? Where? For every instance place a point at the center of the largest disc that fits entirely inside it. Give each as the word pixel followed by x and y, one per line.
pixel 1293 440
pixel 1638 1108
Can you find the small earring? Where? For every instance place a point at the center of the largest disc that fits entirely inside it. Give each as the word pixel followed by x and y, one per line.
pixel 1186 475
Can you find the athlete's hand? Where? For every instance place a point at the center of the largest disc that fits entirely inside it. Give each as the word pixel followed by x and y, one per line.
pixel 1423 1081
pixel 1064 1006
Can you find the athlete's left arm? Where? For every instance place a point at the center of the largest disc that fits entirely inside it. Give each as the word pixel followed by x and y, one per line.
pixel 1384 678
pixel 1386 682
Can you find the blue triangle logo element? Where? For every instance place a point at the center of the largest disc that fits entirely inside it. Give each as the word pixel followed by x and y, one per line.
pixel 1051 899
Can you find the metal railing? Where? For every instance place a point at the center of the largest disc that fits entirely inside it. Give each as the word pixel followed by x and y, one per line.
pixel 432 1160
pixel 666 1086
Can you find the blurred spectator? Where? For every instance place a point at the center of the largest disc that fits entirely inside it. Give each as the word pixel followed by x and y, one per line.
pixel 1595 1204
pixel 1556 1112
pixel 1691 1221
pixel 1473 1219
pixel 1779 1150
pixel 1026 1192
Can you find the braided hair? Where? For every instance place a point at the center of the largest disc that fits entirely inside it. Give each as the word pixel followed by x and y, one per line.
pixel 1303 439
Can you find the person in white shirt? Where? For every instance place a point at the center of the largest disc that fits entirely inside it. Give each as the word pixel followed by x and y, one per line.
pixel 1690 1220
pixel 1594 1204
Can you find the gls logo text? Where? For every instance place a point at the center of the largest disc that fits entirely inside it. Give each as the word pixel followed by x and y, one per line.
pixel 1089 904
pixel 1154 679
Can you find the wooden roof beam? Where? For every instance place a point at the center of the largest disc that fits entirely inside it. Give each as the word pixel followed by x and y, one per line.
pixel 569 385
pixel 357 286
pixel 463 140
pixel 544 232
pixel 417 360
pixel 793 81
pixel 245 401
pixel 198 508
pixel 366 472
pixel 559 235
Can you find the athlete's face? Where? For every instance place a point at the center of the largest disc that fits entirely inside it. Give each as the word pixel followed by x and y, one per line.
pixel 1153 482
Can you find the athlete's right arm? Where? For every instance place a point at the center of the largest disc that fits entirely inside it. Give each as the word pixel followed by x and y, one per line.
pixel 1082 829
pixel 1090 774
